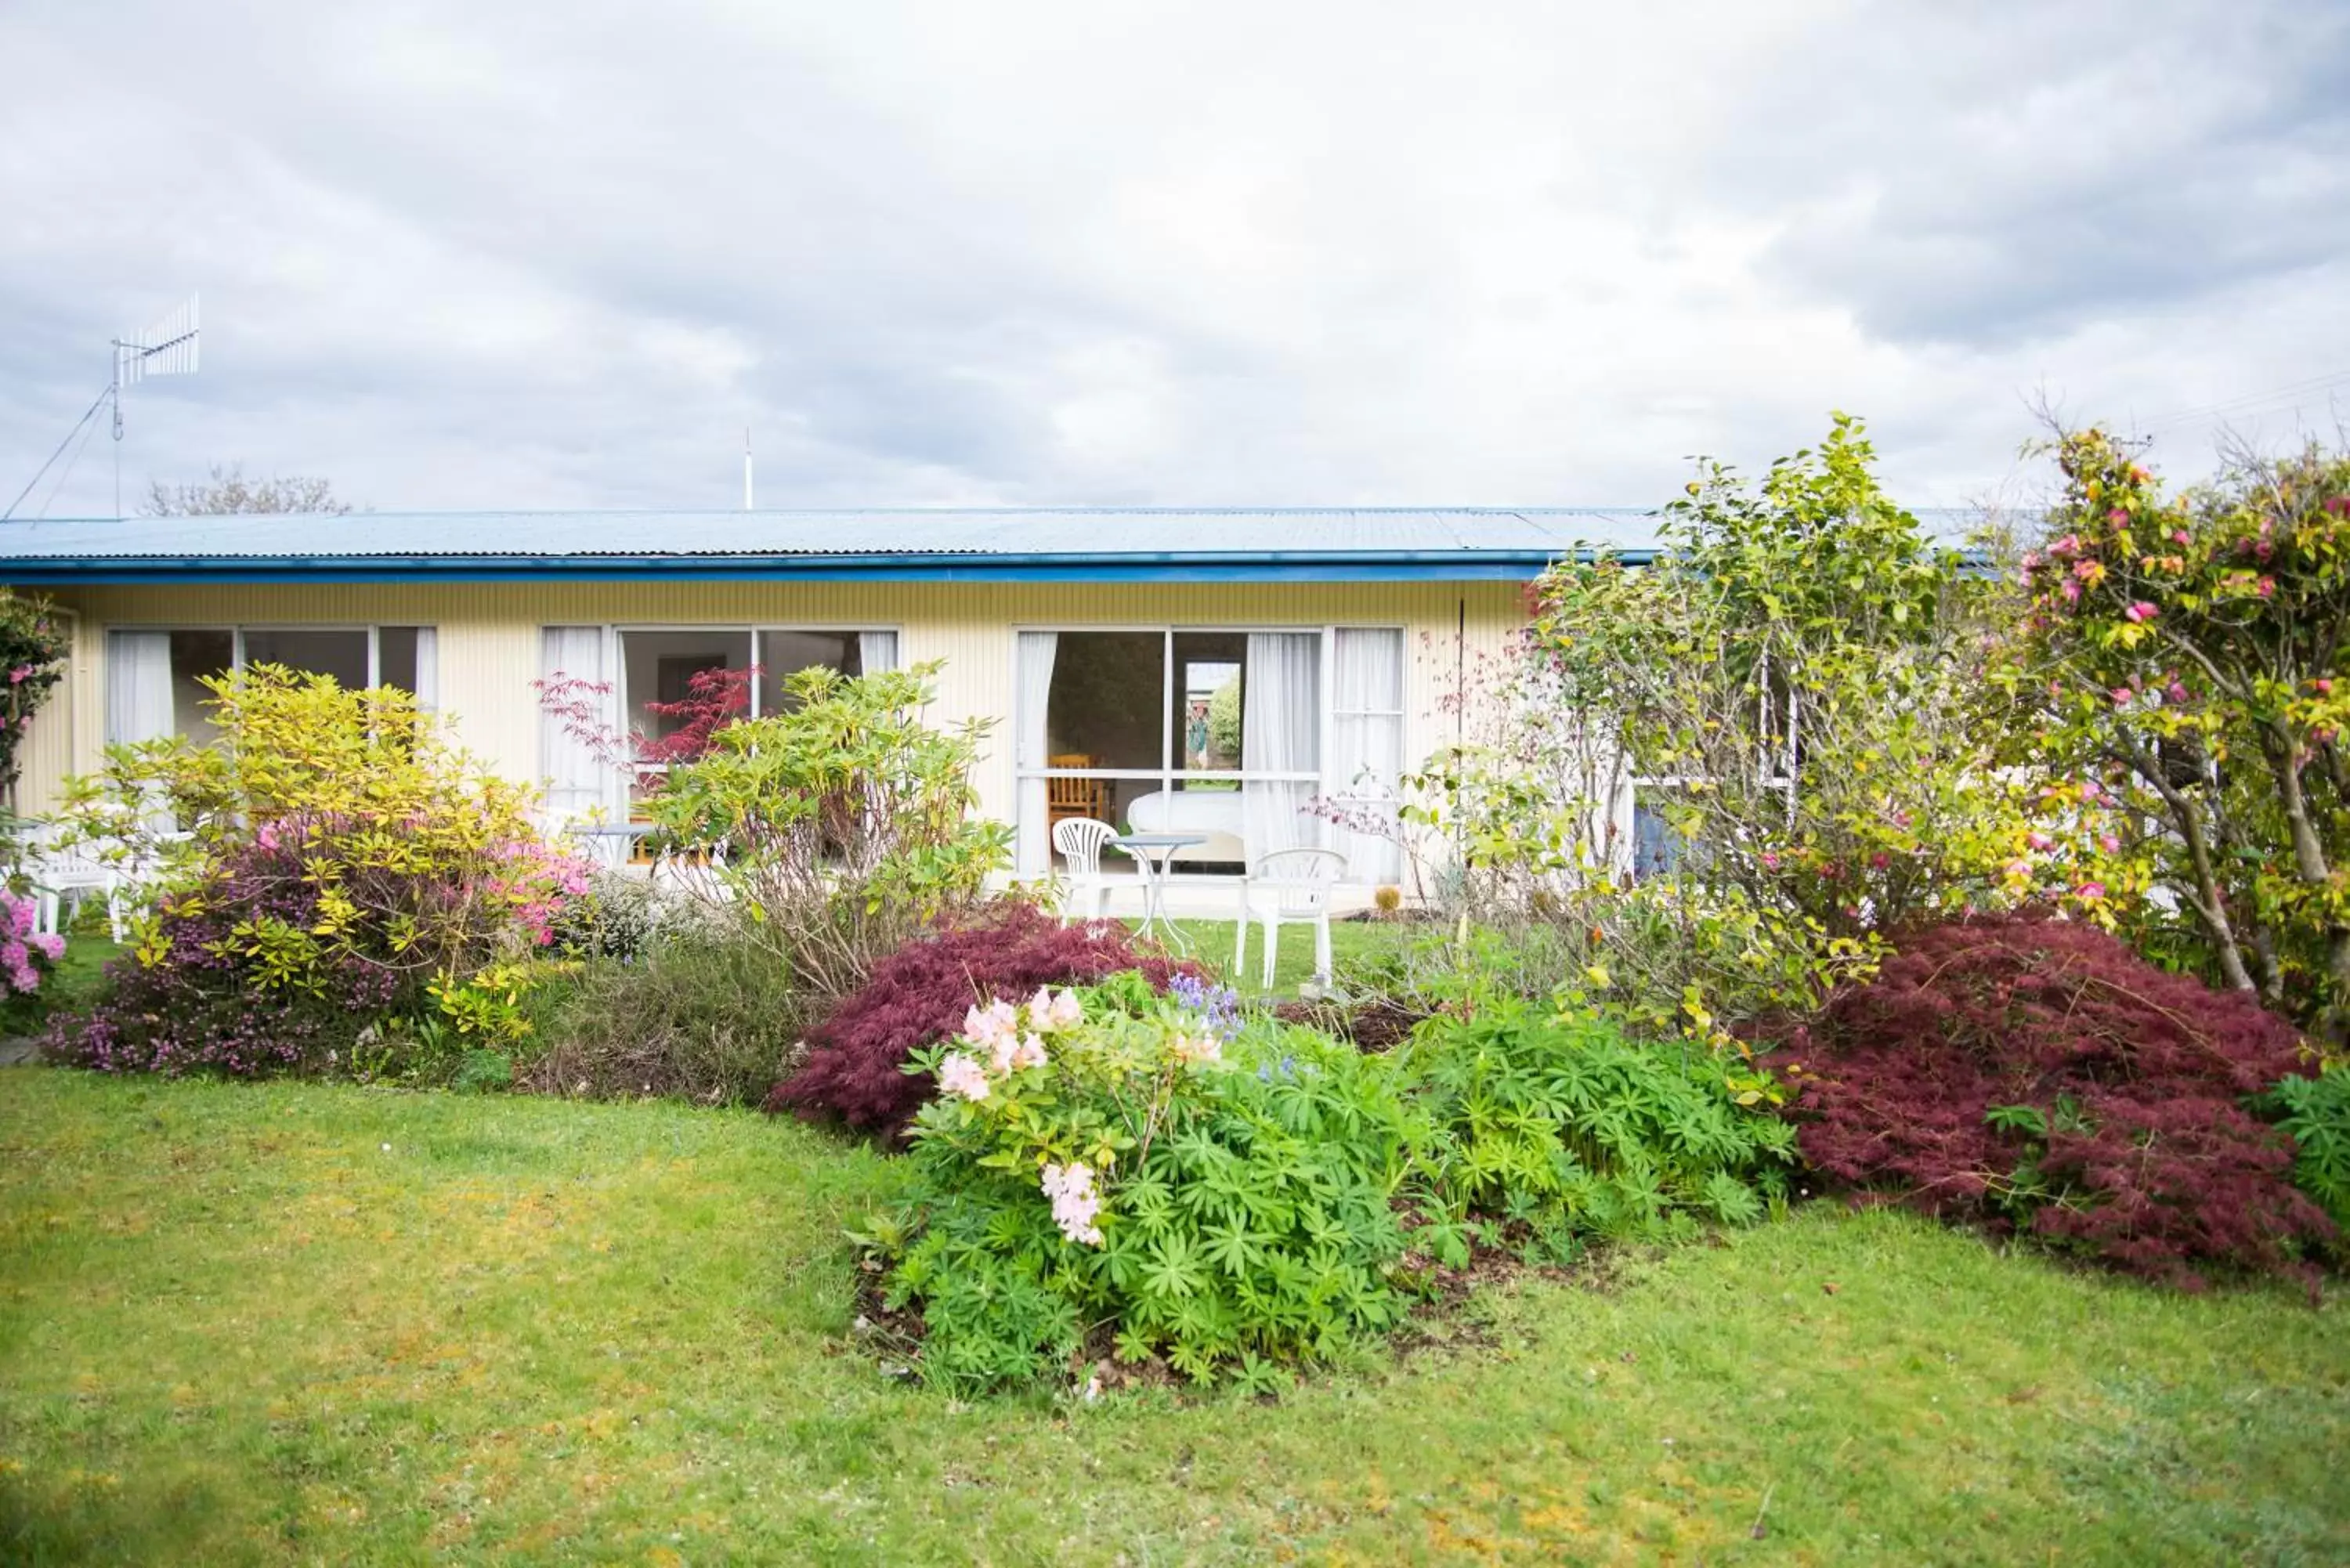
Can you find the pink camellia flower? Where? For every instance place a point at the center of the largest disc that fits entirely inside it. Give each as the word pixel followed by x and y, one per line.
pixel 2066 545
pixel 1770 860
pixel 2338 504
pixel 2036 839
pixel 2109 843
pixel 2176 692
pixel 2321 686
pixel 2088 571
pixel 2089 892
pixel 2121 696
pixel 2072 591
pixel 19 675
pixel 1880 860
pixel 963 1075
pixel 2266 588
pixel 2179 537
pixel 2141 611
pixel 2117 517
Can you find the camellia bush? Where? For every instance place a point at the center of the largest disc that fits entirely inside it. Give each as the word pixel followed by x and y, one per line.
pixel 338 887
pixel 33 649
pixel 1119 1175
pixel 2032 1073
pixel 2193 652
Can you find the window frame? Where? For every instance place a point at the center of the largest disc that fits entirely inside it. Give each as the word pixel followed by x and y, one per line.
pixel 1167 774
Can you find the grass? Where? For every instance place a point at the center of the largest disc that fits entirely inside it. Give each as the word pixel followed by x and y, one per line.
pixel 1212 943
pixel 290 1323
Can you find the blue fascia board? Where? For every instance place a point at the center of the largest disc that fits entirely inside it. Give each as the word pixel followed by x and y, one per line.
pixel 1448 565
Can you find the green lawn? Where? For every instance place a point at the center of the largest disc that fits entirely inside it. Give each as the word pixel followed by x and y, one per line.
pixel 325 1324
pixel 1210 943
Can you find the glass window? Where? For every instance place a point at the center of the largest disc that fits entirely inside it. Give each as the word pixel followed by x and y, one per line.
pixel 782 654
pixel 1106 709
pixel 194 655
pixel 341 652
pixel 395 657
pixel 658 668
pixel 1208 699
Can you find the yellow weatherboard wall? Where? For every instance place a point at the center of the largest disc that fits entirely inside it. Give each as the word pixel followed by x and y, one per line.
pixel 489 642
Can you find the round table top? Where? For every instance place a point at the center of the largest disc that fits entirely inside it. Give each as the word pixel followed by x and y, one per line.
pixel 1159 840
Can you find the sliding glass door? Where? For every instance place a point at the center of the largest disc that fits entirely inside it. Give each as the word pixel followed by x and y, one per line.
pixel 1213 735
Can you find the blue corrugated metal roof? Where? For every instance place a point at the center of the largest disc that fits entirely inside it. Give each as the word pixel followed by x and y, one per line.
pixel 1143 543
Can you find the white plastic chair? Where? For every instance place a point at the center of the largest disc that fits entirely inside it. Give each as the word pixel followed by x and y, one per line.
pixel 1080 839
pixel 1293 884
pixel 58 874
pixel 697 873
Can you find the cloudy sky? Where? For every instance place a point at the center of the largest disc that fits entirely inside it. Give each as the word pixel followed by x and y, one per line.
pixel 557 252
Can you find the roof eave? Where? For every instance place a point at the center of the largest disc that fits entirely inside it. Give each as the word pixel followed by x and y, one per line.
pixel 1423 565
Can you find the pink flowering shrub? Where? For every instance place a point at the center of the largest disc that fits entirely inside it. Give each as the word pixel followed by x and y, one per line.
pixel 1114 1172
pixel 347 879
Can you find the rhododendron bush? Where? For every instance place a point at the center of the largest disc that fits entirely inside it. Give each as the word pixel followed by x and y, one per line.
pixel 1118 1171
pixel 2031 1073
pixel 332 868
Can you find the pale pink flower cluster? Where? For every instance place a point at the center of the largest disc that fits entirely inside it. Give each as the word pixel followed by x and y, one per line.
pixel 1075 1204
pixel 1004 1038
pixel 1196 1048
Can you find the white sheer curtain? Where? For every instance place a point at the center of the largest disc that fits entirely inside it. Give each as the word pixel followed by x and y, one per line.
pixel 1037 650
pixel 576 782
pixel 138 686
pixel 1281 733
pixel 1367 745
pixel 877 651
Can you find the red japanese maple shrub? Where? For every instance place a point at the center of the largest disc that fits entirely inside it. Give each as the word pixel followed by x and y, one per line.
pixel 919 994
pixel 2033 1073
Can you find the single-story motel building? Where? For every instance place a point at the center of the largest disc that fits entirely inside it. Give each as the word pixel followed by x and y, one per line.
pixel 1216 674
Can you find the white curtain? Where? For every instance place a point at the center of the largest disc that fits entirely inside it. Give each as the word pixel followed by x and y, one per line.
pixel 1281 733
pixel 1037 650
pixel 877 651
pixel 1367 745
pixel 576 782
pixel 138 686
pixel 428 668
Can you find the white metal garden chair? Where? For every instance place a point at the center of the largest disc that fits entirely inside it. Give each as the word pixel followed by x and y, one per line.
pixel 1080 840
pixel 699 874
pixel 1294 885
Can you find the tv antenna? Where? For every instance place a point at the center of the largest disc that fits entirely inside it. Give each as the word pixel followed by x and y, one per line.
pixel 167 347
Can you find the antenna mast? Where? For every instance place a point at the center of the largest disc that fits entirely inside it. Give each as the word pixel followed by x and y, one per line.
pixel 166 348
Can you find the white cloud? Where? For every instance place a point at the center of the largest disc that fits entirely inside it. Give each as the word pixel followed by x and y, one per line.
pixel 561 255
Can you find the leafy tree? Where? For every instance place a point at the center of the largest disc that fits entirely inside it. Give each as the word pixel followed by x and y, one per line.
pixel 229 491
pixel 2196 647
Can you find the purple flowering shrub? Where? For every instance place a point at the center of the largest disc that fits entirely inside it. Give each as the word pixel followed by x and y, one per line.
pixel 347 880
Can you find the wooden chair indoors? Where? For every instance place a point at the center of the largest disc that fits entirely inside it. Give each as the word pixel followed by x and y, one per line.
pixel 1066 798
